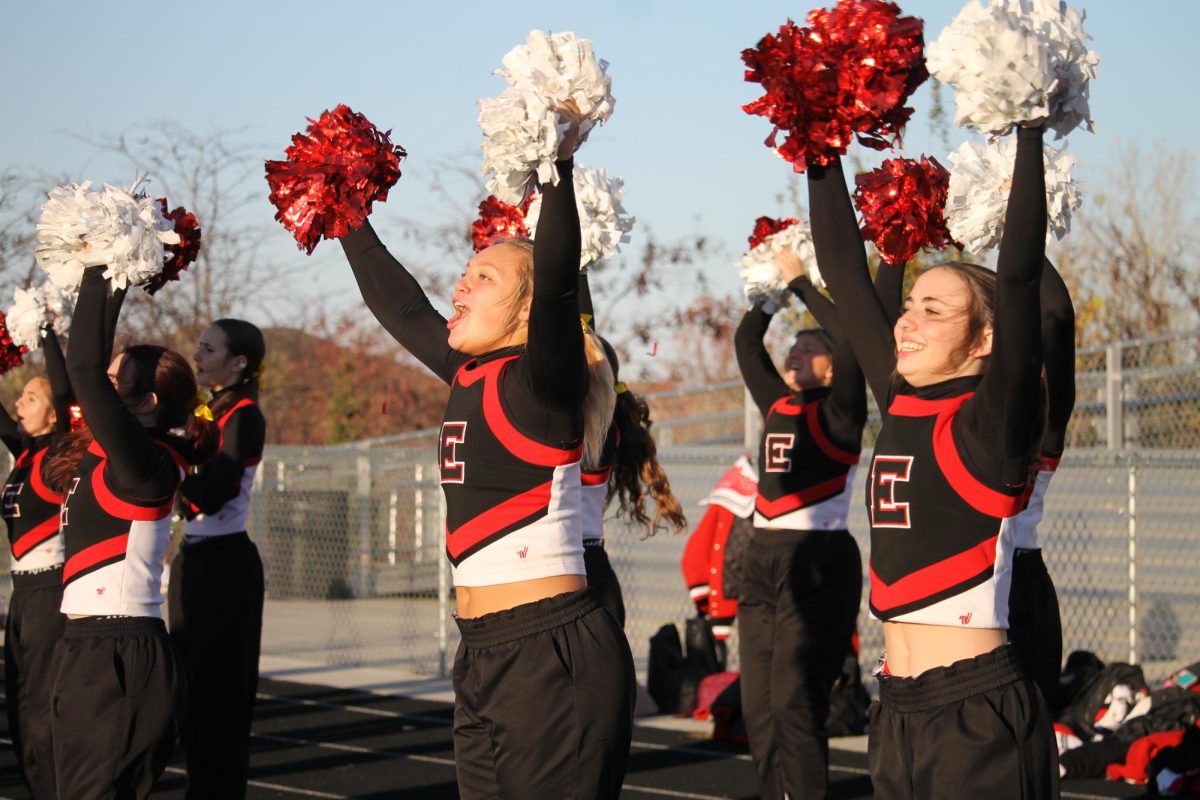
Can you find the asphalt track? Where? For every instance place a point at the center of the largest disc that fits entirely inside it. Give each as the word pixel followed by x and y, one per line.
pixel 337 744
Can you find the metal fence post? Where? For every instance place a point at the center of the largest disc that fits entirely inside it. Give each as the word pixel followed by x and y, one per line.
pixel 1133 587
pixel 443 604
pixel 362 493
pixel 1114 398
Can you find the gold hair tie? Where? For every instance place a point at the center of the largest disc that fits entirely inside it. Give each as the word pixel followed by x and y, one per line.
pixel 204 411
pixel 621 387
pixel 584 319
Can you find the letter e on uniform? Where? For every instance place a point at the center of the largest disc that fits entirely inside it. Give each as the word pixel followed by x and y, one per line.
pixel 886 472
pixel 453 434
pixel 778 452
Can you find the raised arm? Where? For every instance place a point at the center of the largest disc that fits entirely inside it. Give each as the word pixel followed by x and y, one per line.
pixel 399 303
pixel 758 370
pixel 10 433
pixel 1058 354
pixel 999 414
pixel 586 308
pixel 889 288
pixel 60 384
pixel 135 462
pixel 557 369
pixel 842 260
pixel 219 481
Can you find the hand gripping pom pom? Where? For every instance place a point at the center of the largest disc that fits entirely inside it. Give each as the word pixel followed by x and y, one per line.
pixel 115 227
pixel 980 178
pixel 902 206
pixel 178 256
pixel 847 74
pixel 332 176
pixel 522 126
pixel 10 353
pixel 603 223
pixel 498 220
pixel 760 276
pixel 1016 62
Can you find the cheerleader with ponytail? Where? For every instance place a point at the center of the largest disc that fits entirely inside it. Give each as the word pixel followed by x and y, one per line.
pixel 216 596
pixel 627 469
pixel 31 511
pixel 115 677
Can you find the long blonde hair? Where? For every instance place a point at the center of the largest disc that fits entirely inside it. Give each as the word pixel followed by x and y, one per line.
pixel 601 400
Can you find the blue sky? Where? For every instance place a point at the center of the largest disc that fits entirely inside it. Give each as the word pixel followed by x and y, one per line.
pixel 692 161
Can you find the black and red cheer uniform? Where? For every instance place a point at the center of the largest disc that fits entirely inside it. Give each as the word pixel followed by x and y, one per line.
pixel 527 721
pixel 947 476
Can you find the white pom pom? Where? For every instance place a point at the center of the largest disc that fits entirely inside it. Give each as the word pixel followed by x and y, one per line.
pixel 522 126
pixel 603 222
pixel 1015 62
pixel 25 318
pixel 81 228
pixel 761 277
pixel 559 68
pixel 980 178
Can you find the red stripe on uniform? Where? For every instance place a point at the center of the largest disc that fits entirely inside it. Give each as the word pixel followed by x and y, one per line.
pixel 35 536
pixel 933 579
pixel 782 406
pixel 907 405
pixel 91 556
pixel 119 508
pixel 513 440
pixel 39 486
pixel 827 447
pixel 497 518
pixel 979 496
pixel 595 478
pixel 820 491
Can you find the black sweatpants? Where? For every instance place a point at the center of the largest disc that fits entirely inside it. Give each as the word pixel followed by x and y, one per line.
pixel 543 702
pixel 603 581
pixel 799 601
pixel 976 729
pixel 1034 623
pixel 216 606
pixel 116 689
pixel 34 627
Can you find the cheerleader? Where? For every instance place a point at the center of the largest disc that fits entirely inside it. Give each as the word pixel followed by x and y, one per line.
pixel 31 510
pixel 802 571
pixel 627 470
pixel 543 677
pixel 1034 622
pixel 957 375
pixel 115 679
pixel 216 595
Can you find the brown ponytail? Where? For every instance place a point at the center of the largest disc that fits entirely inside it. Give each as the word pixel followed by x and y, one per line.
pixel 636 472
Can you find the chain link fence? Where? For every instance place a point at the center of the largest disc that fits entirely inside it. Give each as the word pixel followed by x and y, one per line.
pixel 351 536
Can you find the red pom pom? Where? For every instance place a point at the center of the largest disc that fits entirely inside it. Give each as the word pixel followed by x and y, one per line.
pixel 765 227
pixel 499 220
pixel 10 353
pixel 183 254
pixel 902 205
pixel 76 416
pixel 848 73
pixel 332 176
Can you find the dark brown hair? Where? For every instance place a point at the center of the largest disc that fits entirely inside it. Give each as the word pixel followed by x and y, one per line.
pixel 981 301
pixel 169 376
pixel 636 472
pixel 242 339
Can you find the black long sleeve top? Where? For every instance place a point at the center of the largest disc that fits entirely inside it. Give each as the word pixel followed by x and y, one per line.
pixel 546 385
pixel 1058 354
pixel 243 435
pixel 994 428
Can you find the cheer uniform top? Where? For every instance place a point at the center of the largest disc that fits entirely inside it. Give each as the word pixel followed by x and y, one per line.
pixel 217 498
pixel 511 438
pixel 948 473
pixel 31 510
pixel 116 518
pixel 811 439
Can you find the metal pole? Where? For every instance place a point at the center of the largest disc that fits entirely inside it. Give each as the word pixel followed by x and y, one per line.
pixel 419 516
pixel 1114 398
pixel 363 513
pixel 1133 589
pixel 443 588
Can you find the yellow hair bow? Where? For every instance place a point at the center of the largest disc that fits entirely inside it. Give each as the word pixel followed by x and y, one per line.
pixel 621 387
pixel 584 319
pixel 204 411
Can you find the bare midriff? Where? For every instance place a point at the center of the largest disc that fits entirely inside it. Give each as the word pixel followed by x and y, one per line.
pixel 475 601
pixel 914 649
